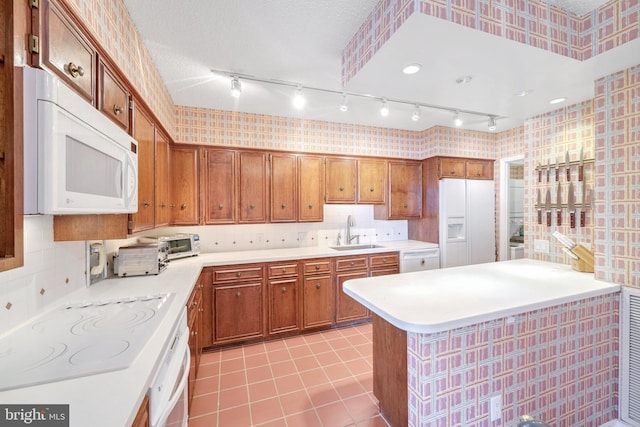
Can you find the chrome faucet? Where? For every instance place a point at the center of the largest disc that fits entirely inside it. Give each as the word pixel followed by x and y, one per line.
pixel 349 238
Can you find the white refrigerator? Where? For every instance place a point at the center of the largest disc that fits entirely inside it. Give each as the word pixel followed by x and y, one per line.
pixel 467 222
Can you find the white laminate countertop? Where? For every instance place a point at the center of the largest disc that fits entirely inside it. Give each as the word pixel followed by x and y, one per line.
pixel 440 300
pixel 112 399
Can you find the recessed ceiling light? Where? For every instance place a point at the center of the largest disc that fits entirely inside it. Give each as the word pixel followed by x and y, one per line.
pixel 412 68
pixel 523 93
pixel 463 79
pixel 557 100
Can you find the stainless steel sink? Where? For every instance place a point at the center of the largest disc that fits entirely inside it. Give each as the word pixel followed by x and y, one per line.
pixel 355 247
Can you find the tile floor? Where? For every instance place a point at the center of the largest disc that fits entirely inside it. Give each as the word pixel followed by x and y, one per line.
pixel 319 379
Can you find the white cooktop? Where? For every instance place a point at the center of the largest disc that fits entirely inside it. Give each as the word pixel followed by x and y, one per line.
pixel 79 339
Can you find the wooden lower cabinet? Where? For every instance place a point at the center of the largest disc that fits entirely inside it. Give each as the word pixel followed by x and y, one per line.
pixel 283 305
pixel 238 312
pixel 317 301
pixel 347 268
pixel 194 322
pixel 142 417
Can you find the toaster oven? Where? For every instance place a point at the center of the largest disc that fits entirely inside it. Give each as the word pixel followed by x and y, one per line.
pixel 179 245
pixel 141 259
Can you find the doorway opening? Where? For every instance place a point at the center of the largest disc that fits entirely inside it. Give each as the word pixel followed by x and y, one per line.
pixel 512 232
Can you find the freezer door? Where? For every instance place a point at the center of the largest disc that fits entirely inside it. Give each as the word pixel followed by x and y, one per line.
pixel 481 221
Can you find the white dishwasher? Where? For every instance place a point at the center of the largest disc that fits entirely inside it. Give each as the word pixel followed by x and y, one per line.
pixel 419 259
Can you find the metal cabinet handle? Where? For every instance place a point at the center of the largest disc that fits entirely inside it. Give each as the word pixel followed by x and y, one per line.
pixel 284 289
pixel 238 274
pixel 146 204
pixel 117 109
pixel 453 172
pixel 371 189
pixel 341 188
pixel 75 70
pixel 310 206
pixel 283 205
pixel 163 205
pixel 405 206
pixel 200 310
pixel 252 206
pixel 284 270
pixel 172 205
pixel 220 206
pixel 183 206
pixel 421 262
pixel 317 267
pixel 317 285
pixel 237 294
pixel 384 260
pixel 194 333
pixel 351 263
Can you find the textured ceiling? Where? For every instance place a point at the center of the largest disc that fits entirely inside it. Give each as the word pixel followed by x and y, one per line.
pixel 302 41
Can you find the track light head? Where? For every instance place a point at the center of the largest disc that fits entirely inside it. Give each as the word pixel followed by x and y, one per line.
pixel 492 124
pixel 298 99
pixel 384 110
pixel 416 114
pixel 457 120
pixel 344 107
pixel 236 87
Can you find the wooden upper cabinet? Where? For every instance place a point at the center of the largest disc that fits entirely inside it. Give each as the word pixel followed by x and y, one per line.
pixel 162 213
pixel 452 167
pixel 310 188
pixel 66 52
pixel 340 180
pixel 283 168
pixel 183 186
pixel 113 97
pixel 144 133
pixel 372 175
pixel 479 169
pixel 252 188
pixel 405 192
pixel 219 186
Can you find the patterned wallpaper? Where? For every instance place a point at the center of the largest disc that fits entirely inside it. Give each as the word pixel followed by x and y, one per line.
pixel 558 364
pixel 531 22
pixel 617 174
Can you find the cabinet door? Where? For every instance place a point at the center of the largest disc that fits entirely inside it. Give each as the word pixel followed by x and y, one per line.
pixel 144 133
pixel 238 312
pixel 252 187
pixel 340 182
pixel 317 302
pixel 451 168
pixel 142 417
pixel 310 188
pixel 347 309
pixel 283 305
pixel 283 187
pixel 405 180
pixel 206 280
pixel 220 187
pixel 193 350
pixel 183 179
pixel 479 169
pixel 162 180
pixel 113 98
pixel 67 53
pixel 372 175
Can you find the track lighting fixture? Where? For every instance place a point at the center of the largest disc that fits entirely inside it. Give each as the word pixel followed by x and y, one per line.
pixel 298 99
pixel 236 87
pixel 416 114
pixel 457 120
pixel 492 124
pixel 344 107
pixel 384 110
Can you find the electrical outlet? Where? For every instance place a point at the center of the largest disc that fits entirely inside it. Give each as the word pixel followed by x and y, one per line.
pixel 541 246
pixel 496 408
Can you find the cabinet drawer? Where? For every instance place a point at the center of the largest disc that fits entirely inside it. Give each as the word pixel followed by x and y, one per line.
pixel 113 98
pixel 384 260
pixel 283 270
pixel 313 267
pixel 67 54
pixel 237 273
pixel 352 263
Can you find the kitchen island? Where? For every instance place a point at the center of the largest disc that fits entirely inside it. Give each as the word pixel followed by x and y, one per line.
pixel 537 337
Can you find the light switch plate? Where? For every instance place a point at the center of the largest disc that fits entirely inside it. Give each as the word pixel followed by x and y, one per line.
pixel 541 246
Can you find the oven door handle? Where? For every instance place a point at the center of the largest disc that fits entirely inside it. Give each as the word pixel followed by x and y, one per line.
pixel 178 391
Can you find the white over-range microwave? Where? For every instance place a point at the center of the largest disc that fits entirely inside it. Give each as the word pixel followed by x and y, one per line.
pixel 76 160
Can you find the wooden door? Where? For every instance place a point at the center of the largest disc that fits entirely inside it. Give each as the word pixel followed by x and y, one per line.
pixel 348 309
pixel 340 181
pixel 219 187
pixel 113 97
pixel 238 311
pixel 144 133
pixel 162 212
pixel 183 178
pixel 283 305
pixel 283 187
pixel 372 176
pixel 451 167
pixel 479 169
pixel 405 180
pixel 310 188
pixel 317 301
pixel 252 187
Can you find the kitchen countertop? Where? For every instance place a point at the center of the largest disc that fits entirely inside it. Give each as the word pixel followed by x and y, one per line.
pixel 112 399
pixel 440 300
